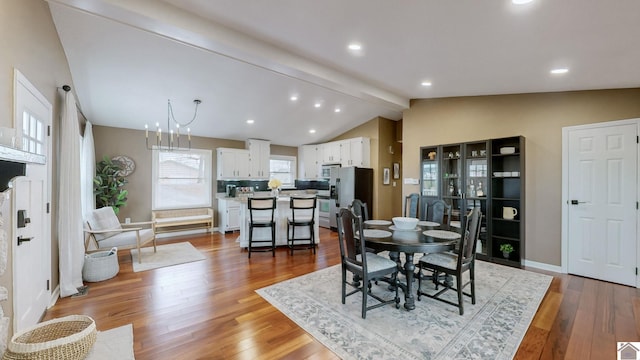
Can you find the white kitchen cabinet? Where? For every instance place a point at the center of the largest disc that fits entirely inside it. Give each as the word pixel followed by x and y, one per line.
pixel 355 152
pixel 259 153
pixel 348 152
pixel 229 215
pixel 331 152
pixel 309 161
pixel 232 163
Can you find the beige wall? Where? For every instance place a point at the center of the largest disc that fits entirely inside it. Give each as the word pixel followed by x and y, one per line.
pixel 539 118
pixel 30 43
pixel 112 141
pixel 382 134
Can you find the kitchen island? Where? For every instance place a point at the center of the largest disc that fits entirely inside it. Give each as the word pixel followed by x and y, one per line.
pixel 281 214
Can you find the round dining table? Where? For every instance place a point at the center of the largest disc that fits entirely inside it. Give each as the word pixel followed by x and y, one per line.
pixel 409 242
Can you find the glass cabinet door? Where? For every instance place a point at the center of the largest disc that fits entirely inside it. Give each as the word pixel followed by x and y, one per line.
pixel 452 189
pixel 430 175
pixel 476 186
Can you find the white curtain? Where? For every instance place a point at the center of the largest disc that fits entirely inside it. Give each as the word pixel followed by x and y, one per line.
pixel 70 232
pixel 88 170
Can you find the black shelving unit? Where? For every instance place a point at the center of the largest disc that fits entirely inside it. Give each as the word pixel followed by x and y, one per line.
pixel 464 183
pixel 507 187
pixel 480 174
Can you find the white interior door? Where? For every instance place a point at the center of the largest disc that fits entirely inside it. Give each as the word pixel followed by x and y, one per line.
pixel 32 295
pixel 602 193
pixel 32 260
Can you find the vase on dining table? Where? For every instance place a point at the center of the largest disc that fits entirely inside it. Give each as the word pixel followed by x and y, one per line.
pixel 275 192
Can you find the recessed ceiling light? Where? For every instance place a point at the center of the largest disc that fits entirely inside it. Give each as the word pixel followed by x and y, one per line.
pixel 250 121
pixel 294 97
pixel 520 2
pixel 426 83
pixel 317 105
pixel 355 46
pixel 560 71
pixel 312 131
pixel 337 110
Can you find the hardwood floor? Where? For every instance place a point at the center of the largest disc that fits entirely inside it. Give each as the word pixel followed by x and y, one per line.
pixel 209 309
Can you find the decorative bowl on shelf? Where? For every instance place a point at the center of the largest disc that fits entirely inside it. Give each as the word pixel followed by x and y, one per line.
pixel 405 223
pixel 507 150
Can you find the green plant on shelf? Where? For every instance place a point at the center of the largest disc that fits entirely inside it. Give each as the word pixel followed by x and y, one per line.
pixel 506 250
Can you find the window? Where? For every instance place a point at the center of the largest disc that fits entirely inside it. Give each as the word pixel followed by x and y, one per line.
pixel 32 133
pixel 283 168
pixel 181 179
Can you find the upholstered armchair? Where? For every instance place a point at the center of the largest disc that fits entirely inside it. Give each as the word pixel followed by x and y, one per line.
pixel 104 231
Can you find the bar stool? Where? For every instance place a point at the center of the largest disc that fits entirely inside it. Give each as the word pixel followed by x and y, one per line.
pixel 261 214
pixel 303 210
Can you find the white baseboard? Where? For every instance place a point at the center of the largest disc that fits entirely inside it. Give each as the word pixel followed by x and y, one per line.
pixel 542 266
pixel 54 296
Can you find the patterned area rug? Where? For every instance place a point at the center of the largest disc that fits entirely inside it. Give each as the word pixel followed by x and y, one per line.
pixel 506 301
pixel 167 255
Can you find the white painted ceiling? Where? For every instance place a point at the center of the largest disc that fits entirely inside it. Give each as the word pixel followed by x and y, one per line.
pixel 244 59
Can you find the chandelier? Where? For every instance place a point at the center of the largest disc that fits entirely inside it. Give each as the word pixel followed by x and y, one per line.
pixel 171 139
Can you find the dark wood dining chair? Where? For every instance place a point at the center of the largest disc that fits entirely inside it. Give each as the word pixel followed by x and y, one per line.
pixel 359 208
pixel 454 264
pixel 411 205
pixel 367 266
pixel 436 211
pixel 303 210
pixel 261 215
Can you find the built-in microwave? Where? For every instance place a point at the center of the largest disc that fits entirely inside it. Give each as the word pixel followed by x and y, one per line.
pixel 326 170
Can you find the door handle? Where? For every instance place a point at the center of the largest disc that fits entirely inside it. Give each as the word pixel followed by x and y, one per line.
pixel 23 239
pixel 576 202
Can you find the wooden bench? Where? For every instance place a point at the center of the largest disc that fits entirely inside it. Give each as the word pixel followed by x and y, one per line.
pixel 182 219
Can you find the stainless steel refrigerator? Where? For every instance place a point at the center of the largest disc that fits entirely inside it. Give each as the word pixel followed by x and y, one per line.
pixel 346 184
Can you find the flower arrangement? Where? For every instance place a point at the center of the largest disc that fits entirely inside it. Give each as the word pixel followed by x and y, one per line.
pixel 274 184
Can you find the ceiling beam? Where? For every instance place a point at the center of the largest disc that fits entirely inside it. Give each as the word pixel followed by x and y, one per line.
pixel 173 23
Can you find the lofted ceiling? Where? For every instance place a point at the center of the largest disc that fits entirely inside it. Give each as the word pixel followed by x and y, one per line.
pixel 245 59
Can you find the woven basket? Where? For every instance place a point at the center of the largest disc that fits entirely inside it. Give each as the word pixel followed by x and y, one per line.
pixel 101 265
pixel 66 338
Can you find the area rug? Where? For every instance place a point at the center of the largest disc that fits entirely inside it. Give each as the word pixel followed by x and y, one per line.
pixel 167 255
pixel 113 344
pixel 506 301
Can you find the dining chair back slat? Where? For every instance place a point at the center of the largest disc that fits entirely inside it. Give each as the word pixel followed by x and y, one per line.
pixel 359 208
pixel 411 205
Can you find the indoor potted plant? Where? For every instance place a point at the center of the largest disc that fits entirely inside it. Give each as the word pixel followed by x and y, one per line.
pixel 506 250
pixel 108 185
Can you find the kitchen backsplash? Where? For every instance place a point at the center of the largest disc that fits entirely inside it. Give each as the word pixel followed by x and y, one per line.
pixel 312 184
pixel 257 185
pixel 261 185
